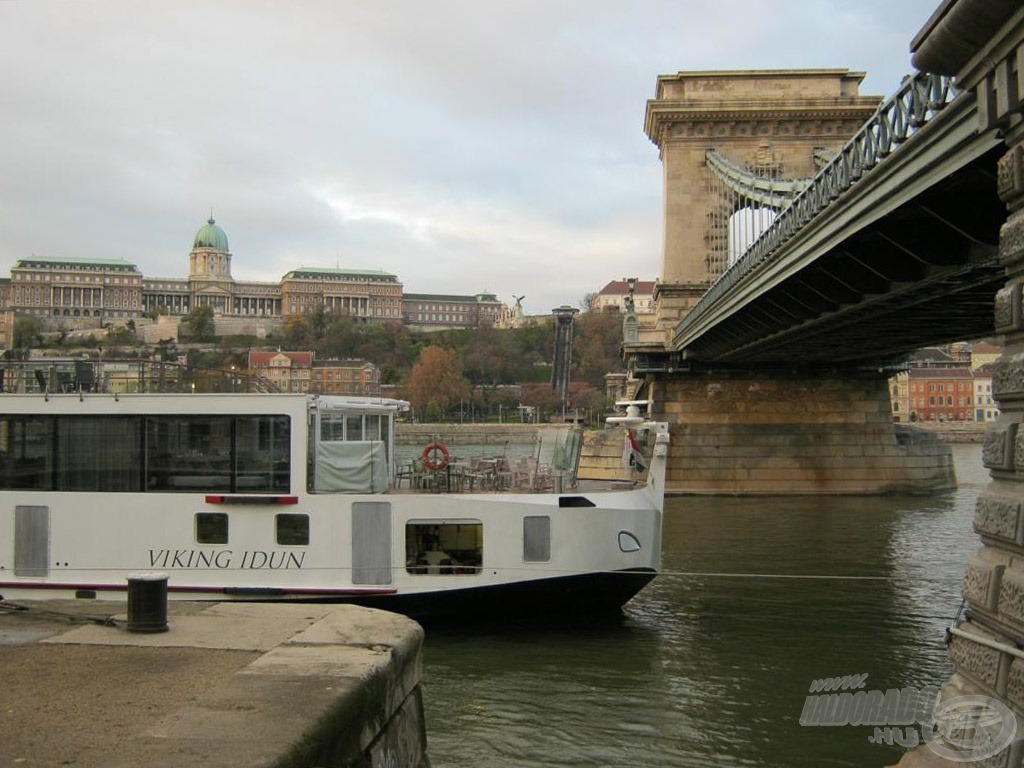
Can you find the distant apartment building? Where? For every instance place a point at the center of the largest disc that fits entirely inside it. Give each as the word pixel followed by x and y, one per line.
pixel 899 396
pixel 952 383
pixel 983 354
pixel 6 329
pixel 985 407
pixel 441 311
pixel 944 393
pixel 345 377
pixel 613 297
pixel 285 371
pixel 302 372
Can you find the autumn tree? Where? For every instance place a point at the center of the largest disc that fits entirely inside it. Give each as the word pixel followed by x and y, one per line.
pixel 26 332
pixel 437 379
pixel 596 342
pixel 543 398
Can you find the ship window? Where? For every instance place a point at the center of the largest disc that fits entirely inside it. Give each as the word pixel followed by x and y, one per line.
pixel 371 427
pixel 536 539
pixel 332 428
pixel 628 542
pixel 211 528
pixel 575 501
pixel 444 547
pixel 354 428
pixel 292 530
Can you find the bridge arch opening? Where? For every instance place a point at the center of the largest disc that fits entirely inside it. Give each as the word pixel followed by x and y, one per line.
pixel 745 226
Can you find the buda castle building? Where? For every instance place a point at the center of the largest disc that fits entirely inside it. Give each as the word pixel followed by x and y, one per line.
pixel 88 293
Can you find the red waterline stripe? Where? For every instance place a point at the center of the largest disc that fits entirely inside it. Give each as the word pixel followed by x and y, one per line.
pixel 218 498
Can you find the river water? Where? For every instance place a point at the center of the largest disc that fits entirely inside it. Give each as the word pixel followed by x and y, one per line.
pixel 711 663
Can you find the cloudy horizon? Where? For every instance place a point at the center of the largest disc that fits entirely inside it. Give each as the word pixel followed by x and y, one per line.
pixel 462 146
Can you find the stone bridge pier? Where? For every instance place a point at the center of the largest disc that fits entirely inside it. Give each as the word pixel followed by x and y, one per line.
pixel 760 430
pixel 792 432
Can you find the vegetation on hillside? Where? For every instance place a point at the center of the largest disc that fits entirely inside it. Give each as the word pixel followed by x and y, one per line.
pixel 456 374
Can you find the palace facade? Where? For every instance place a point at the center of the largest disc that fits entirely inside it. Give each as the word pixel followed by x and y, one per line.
pixel 364 294
pixel 88 293
pixel 443 310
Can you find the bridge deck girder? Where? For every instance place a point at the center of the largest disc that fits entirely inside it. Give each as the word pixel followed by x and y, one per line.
pixel 923 270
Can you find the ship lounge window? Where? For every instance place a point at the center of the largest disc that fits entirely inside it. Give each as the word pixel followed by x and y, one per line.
pixel 237 454
pixel 444 547
pixel 71 453
pixel 292 530
pixel 211 528
pixel 131 454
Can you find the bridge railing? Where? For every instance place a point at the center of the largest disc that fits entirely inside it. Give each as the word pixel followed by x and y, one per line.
pixel 919 98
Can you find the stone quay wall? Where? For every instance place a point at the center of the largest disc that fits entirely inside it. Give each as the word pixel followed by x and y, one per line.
pixel 470 434
pixel 226 685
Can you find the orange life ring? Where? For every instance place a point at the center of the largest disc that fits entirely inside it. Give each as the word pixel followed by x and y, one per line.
pixel 435 456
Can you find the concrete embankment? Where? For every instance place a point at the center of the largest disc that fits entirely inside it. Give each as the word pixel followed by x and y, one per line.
pixel 237 685
pixel 955 431
pixel 497 435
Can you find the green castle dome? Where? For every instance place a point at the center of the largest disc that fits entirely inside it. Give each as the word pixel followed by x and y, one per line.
pixel 211 236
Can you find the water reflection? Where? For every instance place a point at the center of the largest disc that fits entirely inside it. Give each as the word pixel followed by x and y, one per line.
pixel 709 669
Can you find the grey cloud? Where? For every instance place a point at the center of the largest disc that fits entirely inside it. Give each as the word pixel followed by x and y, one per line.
pixel 461 145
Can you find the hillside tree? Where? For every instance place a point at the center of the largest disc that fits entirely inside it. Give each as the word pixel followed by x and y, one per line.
pixel 436 379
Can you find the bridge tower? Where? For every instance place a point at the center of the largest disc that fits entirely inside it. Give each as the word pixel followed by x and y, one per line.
pixel 735 147
pixel 775 125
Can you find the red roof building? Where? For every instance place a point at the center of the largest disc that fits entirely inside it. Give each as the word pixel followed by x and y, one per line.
pixel 940 394
pixel 613 296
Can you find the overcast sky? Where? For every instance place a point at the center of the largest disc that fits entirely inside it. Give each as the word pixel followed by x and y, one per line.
pixel 462 145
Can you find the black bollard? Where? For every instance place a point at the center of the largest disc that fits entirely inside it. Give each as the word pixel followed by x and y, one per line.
pixel 147 602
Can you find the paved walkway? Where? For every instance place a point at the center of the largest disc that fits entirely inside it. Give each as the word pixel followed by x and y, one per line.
pixel 230 684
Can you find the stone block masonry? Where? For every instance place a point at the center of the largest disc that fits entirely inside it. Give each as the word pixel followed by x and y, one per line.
pixel 230 685
pixel 784 432
pixel 982 44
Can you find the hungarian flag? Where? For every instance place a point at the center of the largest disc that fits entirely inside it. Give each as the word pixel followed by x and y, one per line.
pixel 631 456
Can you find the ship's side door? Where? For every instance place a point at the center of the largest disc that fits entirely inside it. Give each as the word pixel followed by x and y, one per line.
pixel 371 542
